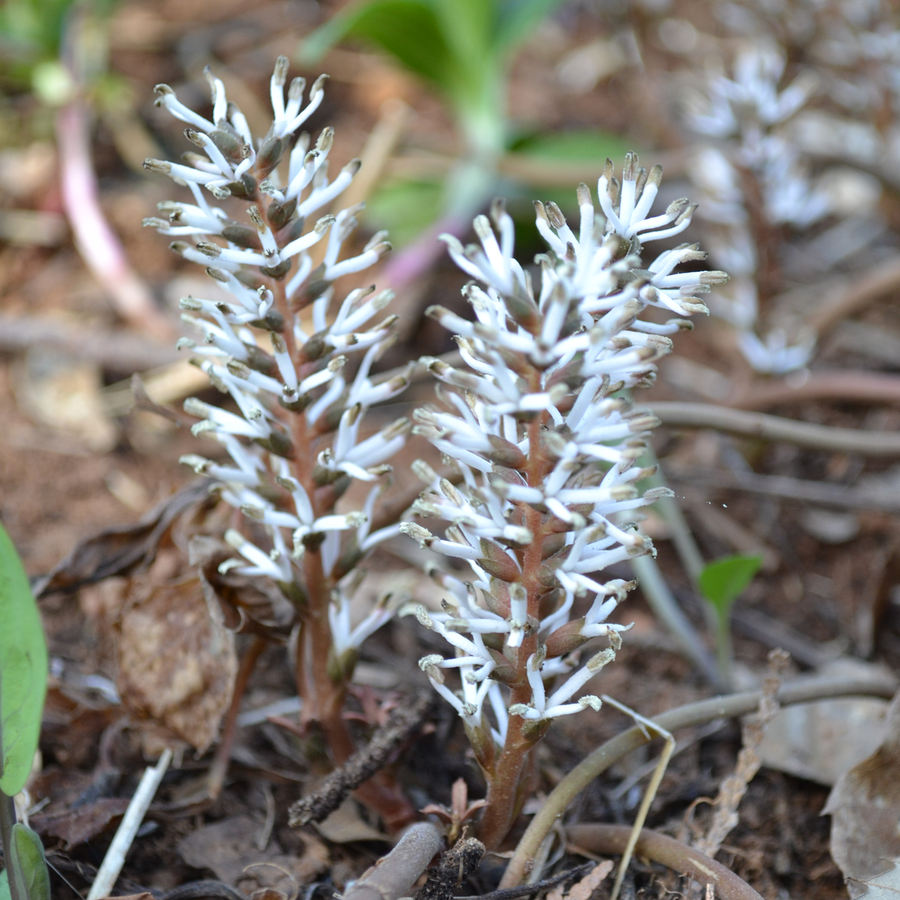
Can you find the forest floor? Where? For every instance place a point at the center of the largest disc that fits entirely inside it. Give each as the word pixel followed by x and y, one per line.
pixel 76 461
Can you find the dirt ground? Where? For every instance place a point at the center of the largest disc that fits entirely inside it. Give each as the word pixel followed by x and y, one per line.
pixel 74 460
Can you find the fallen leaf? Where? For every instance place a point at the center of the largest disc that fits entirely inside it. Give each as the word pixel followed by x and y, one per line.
pixel 885 886
pixel 247 604
pixel 64 394
pixel 583 889
pixel 229 849
pixel 176 659
pixel 80 824
pixel 346 825
pixel 820 741
pixel 121 550
pixel 865 809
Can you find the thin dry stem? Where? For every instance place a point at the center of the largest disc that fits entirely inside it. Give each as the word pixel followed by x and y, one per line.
pixel 799 691
pixel 774 428
pixel 666 850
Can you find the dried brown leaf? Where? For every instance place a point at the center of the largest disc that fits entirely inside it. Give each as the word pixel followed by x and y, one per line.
pixel 177 660
pixel 583 889
pixel 229 848
pixel 887 885
pixel 76 826
pixel 865 810
pixel 121 550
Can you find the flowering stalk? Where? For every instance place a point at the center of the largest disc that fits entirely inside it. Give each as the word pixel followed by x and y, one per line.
pixel 278 343
pixel 546 454
pixel 755 185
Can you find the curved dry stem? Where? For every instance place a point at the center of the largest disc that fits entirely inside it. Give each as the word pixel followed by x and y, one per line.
pixel 775 428
pixel 660 848
pixel 393 875
pixel 799 691
pixel 858 387
pixel 850 299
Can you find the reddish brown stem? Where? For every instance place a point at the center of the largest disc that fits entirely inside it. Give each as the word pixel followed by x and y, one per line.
pixel 505 794
pixel 325 700
pixel 219 768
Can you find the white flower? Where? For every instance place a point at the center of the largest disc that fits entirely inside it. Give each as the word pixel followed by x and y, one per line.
pixel 552 357
pixel 288 385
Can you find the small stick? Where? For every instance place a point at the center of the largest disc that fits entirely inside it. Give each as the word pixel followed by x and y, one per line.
pixel 131 821
pixel 361 766
pixel 524 890
pixel 774 428
pixel 859 294
pixel 817 492
pixel 605 839
pixel 860 387
pixel 801 690
pixel 393 875
pixel 647 726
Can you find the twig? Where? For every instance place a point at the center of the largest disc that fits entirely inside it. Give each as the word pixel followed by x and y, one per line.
pixel 799 691
pixel 118 349
pixel 361 766
pixel 771 633
pixel 393 875
pixel 858 294
pixel 204 890
pixel 774 428
pixel 131 821
pixel 524 890
pixel 660 848
pixel 383 139
pixel 816 492
pixel 859 387
pixel 219 768
pixel 734 786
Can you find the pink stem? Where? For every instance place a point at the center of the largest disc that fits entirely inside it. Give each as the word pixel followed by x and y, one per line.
pixel 99 246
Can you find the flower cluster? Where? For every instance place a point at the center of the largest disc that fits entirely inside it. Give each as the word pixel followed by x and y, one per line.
pixel 544 448
pixel 277 342
pixel 747 115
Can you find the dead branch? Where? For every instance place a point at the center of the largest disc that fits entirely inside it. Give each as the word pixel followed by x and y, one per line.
pixel 404 722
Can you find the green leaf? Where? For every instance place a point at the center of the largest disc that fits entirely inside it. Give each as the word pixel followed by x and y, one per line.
pixel 23 671
pixel 405 208
pixel 4 886
pixel 723 580
pixel 28 864
pixel 468 28
pixel 578 145
pixel 409 30
pixel 516 19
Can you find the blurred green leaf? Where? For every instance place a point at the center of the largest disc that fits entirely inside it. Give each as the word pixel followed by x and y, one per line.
pixel 467 26
pixel 32 31
pixel 723 580
pixel 23 671
pixel 408 30
pixel 28 864
pixel 583 145
pixel 4 886
pixel 516 19
pixel 405 208
pixel 459 46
